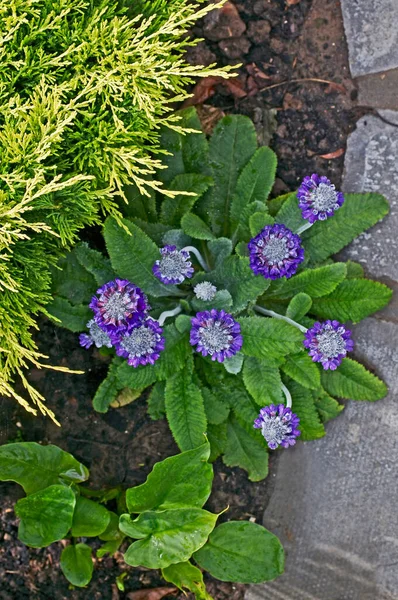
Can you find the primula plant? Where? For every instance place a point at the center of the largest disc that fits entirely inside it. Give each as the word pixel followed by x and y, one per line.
pixel 158 525
pixel 225 305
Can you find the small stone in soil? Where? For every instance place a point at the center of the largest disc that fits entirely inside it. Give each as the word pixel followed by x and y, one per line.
pixel 223 24
pixel 235 47
pixel 258 31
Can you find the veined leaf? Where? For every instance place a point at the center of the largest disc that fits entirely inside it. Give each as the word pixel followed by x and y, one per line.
pixel 155 231
pixel 220 249
pixel 136 378
pixel 76 564
pixel 245 451
pixel 275 204
pixel 72 281
pixel 173 209
pixel 95 263
pixel 89 519
pixel 186 576
pixel 243 231
pixel 195 227
pixel 222 300
pixel 304 407
pixel 139 206
pixel 289 213
pixel 217 436
pixel 176 351
pixel 327 407
pixel 258 221
pixel 314 282
pixel 352 381
pixel 302 369
pixel 216 407
pixel 156 401
pixel 299 306
pixel 71 316
pixel 354 270
pixel 265 337
pixel 263 381
pixel 108 389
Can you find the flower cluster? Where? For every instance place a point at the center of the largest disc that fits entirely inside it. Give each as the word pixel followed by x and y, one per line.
pixel 328 343
pixel 278 425
pixel 318 198
pixel 275 252
pixel 174 266
pixel 216 334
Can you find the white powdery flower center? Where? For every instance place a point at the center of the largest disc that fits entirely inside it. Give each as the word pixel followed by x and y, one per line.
pixel 324 197
pixel 174 266
pixel 116 305
pixel 331 344
pixel 275 250
pixel 274 430
pixel 140 341
pixel 214 337
pixel 205 291
pixel 99 337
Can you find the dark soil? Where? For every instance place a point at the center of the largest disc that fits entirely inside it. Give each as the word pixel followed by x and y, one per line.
pixel 276 43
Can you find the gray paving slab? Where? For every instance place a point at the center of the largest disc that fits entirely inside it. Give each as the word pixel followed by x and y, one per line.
pixel 372 35
pixel 379 90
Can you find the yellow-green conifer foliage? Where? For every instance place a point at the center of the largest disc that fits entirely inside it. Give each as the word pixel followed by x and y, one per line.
pixel 84 87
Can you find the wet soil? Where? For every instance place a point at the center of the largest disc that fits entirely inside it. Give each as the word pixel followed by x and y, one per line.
pixel 277 42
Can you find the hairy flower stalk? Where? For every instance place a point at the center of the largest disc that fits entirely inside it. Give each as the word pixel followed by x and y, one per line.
pixel 119 305
pixel 198 255
pixel 174 266
pixel 278 425
pixel 216 334
pixel 275 252
pixel 318 199
pixel 328 343
pixel 96 336
pixel 141 344
pixel 271 313
pixel 169 313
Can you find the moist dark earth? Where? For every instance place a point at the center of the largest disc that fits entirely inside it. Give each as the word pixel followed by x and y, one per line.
pixel 282 46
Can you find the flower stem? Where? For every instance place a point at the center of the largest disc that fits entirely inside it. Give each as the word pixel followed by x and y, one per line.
pixel 288 396
pixel 304 228
pixel 169 313
pixel 271 313
pixel 198 255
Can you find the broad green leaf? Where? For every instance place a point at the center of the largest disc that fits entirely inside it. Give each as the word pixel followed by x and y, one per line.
pixel 176 237
pixel 183 323
pixel 173 209
pixel 222 300
pixel 299 306
pixel 76 564
pixel 263 381
pixel 195 227
pixel 275 204
pixel 290 214
pixel 217 436
pixel 304 407
pixel 156 401
pixel 139 206
pixel 45 516
pixel 71 316
pixel 155 231
pixel 234 364
pixel 352 381
pixel 186 576
pixel 302 369
pixel 265 337
pixel 327 407
pixel 254 183
pixel 176 351
pixel 108 389
pixel 258 221
pixel 220 249
pixel 314 282
pixel 241 249
pixel 243 231
pixel 216 408
pixel 89 519
pixel 136 378
pixel 35 467
pixel 112 531
pixel 354 270
pixel 125 396
pixel 72 281
pixel 358 213
pixel 133 255
pixel 243 406
pixel 353 300
pixel 185 410
pixel 242 552
pixel 231 146
pixel 110 547
pixel 178 481
pixel 95 263
pixel 245 451
pixel 166 537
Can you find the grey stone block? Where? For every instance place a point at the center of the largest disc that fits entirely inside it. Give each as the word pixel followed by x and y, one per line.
pixel 379 90
pixel 372 35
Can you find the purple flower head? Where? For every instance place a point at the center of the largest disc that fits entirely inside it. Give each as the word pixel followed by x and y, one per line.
pixel 216 333
pixel 174 266
pixel 120 304
pixel 141 344
pixel 278 425
pixel 96 336
pixel 328 343
pixel 275 252
pixel 318 198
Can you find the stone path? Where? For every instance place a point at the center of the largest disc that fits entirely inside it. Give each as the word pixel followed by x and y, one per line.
pixel 335 500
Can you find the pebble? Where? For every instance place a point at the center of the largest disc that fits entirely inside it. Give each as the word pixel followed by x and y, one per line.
pixel 223 24
pixel 258 31
pixel 235 47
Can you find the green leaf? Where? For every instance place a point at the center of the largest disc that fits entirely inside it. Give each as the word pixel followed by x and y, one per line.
pixel 254 183
pixel 110 547
pixel 108 389
pixel 258 221
pixel 35 467
pixel 176 351
pixel 173 209
pixel 353 300
pixel 314 282
pixel 155 231
pixel 133 255
pixel 221 301
pixel 243 450
pixel 354 270
pixel 187 577
pixel 143 207
pixel 216 408
pixel 327 407
pixel 185 410
pixel 183 480
pixel 231 146
pixel 76 564
pixel 136 378
pixel 72 316
pixel 275 204
pixel 183 323
pixel 290 214
pixel 72 281
pixel 269 338
pixel 176 237
pixel 352 381
pixel 156 401
pixel 166 537
pixel 241 249
pixel 89 519
pixel 95 263
pixel 299 306
pixel 220 249
pixel 243 232
pixel 234 364
pixel 263 381
pixel 217 436
pixel 45 516
pixel 358 213
pixel 302 369
pixel 304 407
pixel 242 552
pixel 112 531
pixel 193 226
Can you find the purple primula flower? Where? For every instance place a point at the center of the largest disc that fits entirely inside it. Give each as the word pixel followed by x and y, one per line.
pixel 318 198
pixel 328 343
pixel 97 336
pixel 174 266
pixel 275 252
pixel 278 425
pixel 216 334
pixel 141 344
pixel 119 305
